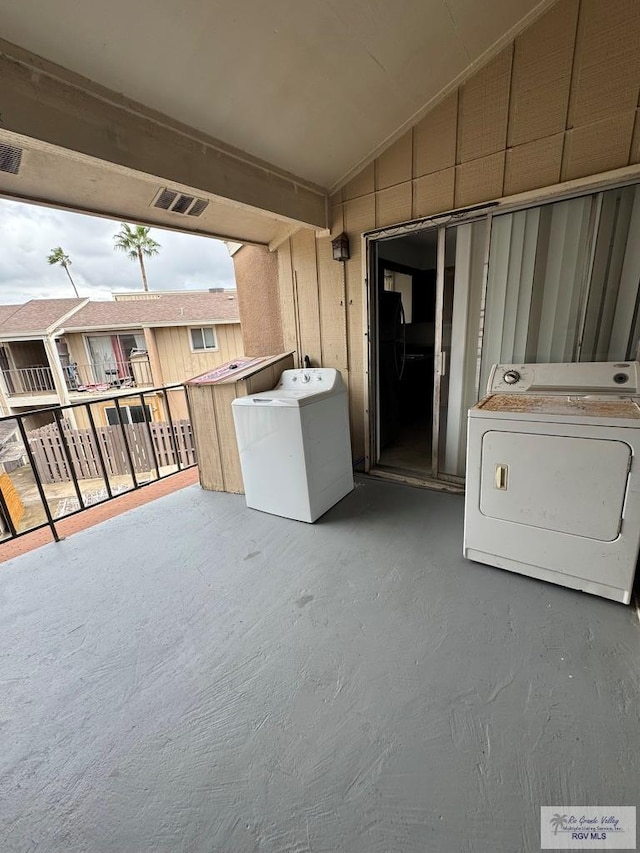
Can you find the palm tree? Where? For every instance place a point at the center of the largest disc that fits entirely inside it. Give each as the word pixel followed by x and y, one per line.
pixel 136 243
pixel 557 821
pixel 57 256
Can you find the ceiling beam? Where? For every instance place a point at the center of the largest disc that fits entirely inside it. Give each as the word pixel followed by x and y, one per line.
pixel 43 101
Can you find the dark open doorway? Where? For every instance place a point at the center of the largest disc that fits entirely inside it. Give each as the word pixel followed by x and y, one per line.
pixel 406 291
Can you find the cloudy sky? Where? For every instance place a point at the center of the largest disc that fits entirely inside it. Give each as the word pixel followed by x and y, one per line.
pixel 28 234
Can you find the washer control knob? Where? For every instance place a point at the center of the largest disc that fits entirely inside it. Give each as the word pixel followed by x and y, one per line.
pixel 305 377
pixel 511 377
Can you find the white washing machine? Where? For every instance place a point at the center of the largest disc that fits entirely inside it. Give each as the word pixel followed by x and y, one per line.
pixel 553 477
pixel 294 444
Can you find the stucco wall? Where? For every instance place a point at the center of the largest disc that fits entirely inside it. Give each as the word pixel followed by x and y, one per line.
pixel 559 103
pixel 256 273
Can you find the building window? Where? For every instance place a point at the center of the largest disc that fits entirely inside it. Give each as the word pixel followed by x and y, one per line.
pixel 130 415
pixel 203 339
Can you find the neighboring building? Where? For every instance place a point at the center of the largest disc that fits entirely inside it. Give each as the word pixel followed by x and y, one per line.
pixel 60 351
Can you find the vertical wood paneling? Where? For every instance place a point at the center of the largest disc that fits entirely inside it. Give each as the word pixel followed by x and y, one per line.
pixel 333 324
pixel 154 358
pixel 359 217
pixel 305 271
pixel 179 363
pixel 77 351
pixel 229 455
pixel 206 440
pixel 288 309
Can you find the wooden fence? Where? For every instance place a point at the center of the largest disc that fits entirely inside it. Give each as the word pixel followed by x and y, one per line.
pixel 51 460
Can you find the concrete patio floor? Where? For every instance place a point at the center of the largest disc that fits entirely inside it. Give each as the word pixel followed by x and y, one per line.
pixel 196 676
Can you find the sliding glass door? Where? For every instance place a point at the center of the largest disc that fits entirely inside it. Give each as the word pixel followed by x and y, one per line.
pixel 563 282
pixel 461 256
pixel 559 282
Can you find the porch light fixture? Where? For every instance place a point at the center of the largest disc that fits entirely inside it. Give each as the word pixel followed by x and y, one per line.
pixel 340 247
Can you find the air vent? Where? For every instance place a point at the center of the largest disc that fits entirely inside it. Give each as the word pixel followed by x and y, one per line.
pixel 179 203
pixel 10 159
pixel 183 203
pixel 198 207
pixel 165 199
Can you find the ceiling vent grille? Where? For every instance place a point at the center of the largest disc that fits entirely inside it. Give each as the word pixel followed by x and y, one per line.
pixel 165 199
pixel 10 159
pixel 198 207
pixel 177 202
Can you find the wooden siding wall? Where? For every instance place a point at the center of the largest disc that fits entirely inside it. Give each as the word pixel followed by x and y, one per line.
pixel 77 349
pixel 559 103
pixel 179 363
pixel 28 353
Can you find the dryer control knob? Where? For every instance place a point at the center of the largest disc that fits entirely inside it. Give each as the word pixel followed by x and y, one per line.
pixel 511 377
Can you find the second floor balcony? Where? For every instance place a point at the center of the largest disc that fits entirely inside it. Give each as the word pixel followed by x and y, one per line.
pixel 134 372
pixel 37 380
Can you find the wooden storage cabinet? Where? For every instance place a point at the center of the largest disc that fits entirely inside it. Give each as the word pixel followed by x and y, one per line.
pixel 210 396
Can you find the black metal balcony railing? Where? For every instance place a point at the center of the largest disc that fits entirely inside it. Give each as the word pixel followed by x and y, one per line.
pixel 74 461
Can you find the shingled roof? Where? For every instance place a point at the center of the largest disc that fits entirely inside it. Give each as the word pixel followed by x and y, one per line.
pixel 36 316
pixel 167 310
pixel 175 309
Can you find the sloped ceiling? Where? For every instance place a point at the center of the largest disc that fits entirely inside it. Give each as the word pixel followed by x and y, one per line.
pixel 314 87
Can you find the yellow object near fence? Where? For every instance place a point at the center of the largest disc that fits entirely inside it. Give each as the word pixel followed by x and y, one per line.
pixel 11 499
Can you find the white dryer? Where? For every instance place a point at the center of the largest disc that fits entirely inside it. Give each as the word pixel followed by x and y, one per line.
pixel 553 477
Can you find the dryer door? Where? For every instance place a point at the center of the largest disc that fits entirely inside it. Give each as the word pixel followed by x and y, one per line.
pixel 570 485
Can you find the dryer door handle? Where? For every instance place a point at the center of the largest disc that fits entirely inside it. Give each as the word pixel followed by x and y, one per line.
pixel 502 472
